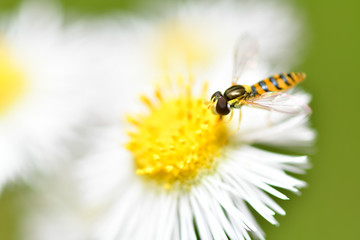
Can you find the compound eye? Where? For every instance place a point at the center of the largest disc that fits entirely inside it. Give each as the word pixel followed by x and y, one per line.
pixel 222 106
pixel 215 96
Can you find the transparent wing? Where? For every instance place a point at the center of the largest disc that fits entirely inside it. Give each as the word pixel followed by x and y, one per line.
pixel 280 102
pixel 246 51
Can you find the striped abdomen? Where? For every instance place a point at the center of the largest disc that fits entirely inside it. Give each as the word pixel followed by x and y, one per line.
pixel 276 83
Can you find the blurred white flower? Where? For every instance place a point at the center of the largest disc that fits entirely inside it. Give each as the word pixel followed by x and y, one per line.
pixel 45 71
pixel 183 174
pixel 166 44
pixel 53 210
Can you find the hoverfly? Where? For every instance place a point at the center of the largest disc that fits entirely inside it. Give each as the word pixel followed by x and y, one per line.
pixel 266 94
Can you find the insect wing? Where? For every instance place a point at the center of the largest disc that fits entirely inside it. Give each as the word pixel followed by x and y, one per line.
pixel 246 51
pixel 280 102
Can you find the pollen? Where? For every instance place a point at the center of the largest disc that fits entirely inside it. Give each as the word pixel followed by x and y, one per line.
pixel 178 140
pixel 11 80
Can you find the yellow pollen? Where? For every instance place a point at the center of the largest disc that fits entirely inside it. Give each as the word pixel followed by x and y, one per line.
pixel 12 81
pixel 178 141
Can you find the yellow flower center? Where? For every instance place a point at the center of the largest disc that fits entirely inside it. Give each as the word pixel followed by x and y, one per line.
pixel 11 80
pixel 179 140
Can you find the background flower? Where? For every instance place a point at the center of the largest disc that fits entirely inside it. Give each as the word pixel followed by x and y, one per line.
pixel 51 76
pixel 38 126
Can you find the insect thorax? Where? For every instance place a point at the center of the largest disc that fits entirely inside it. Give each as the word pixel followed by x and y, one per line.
pixel 236 92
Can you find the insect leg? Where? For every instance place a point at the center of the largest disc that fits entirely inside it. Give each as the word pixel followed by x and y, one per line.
pixel 238 126
pixel 231 115
pixel 240 116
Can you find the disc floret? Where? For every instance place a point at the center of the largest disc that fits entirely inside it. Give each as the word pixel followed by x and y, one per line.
pixel 179 140
pixel 12 82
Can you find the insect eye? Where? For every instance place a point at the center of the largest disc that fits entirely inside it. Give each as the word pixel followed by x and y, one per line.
pixel 216 96
pixel 222 106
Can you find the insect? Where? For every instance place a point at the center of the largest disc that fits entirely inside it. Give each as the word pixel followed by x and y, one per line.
pixel 266 94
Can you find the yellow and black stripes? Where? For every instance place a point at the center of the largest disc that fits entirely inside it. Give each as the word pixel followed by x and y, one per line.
pixel 276 83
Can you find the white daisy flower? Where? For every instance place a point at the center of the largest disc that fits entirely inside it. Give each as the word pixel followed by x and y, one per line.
pixel 44 74
pixel 177 171
pixel 184 173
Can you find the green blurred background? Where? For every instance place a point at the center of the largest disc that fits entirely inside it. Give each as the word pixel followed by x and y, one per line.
pixel 328 208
